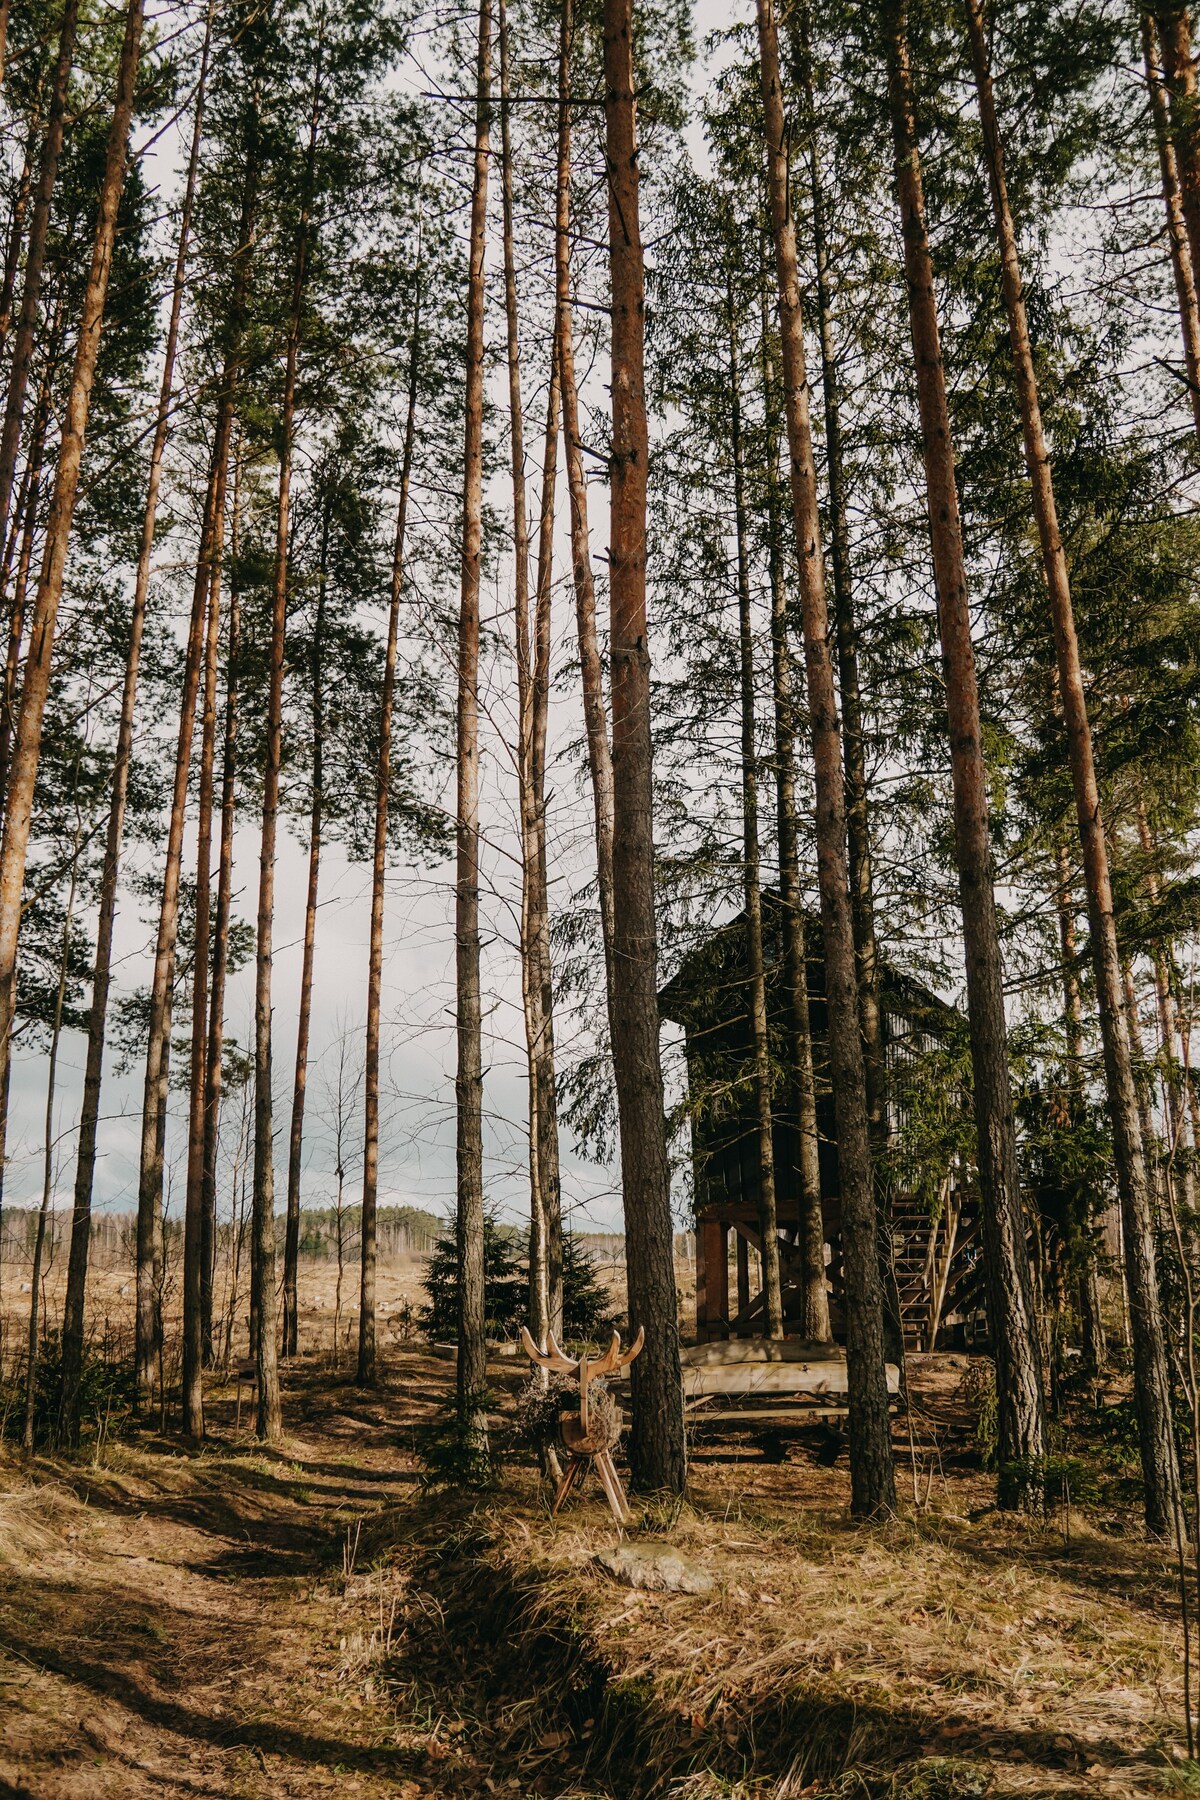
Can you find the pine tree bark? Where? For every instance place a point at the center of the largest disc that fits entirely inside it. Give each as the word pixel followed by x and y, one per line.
pixel 543 1182
pixel 214 1051
pixel 658 1455
pixel 1179 77
pixel 193 1218
pixel 1091 1318
pixel 872 1477
pixel 35 257
pixel 814 1324
pixel 291 1242
pixel 600 760
pixel 1151 1381
pixel 768 1222
pixel 472 1343
pixel 24 529
pixel 36 686
pixel 383 776
pixel 1010 1282
pixel 1181 257
pixel 269 1418
pixel 35 1285
pixel 16 229
pixel 74 1309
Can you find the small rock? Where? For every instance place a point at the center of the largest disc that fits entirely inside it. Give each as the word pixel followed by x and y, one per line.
pixel 656 1567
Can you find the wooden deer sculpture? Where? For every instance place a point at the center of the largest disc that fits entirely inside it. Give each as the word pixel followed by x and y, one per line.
pixel 588 1438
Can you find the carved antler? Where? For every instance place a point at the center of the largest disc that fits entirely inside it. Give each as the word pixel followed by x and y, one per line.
pixel 608 1364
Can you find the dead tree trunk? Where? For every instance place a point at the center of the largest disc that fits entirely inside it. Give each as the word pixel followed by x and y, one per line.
pixel 1151 1380
pixel 472 1344
pixel 269 1420
pixel 873 1485
pixel 600 762
pixel 383 775
pixel 291 1241
pixel 751 869
pixel 74 1311
pixel 658 1455
pixel 1010 1282
pixel 36 686
pixel 814 1322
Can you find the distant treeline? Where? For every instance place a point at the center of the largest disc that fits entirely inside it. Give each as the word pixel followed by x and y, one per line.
pixel 402 1231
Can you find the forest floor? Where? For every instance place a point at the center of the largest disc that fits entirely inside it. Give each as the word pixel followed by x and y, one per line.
pixel 311 1621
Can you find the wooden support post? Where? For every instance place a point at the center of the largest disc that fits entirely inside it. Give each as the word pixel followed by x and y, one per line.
pixel 743 1273
pixel 716 1271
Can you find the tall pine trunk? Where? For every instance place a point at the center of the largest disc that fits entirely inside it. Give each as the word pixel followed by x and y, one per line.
pixel 269 1421
pixel 383 775
pixel 74 1310
pixel 220 932
pixel 751 868
pixel 472 1344
pixel 24 530
pixel 658 1454
pixel 193 1218
pixel 543 1197
pixel 600 761
pixel 1181 256
pixel 35 252
pixel 1179 76
pixel 1010 1283
pixel 872 1477
pixel 291 1241
pixel 35 1285
pixel 814 1321
pixel 1151 1381
pixel 35 690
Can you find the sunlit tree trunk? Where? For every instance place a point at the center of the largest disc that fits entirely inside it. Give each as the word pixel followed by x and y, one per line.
pixel 752 871
pixel 1006 1254
pixel 36 685
pixel 85 1165
pixel 383 775
pixel 472 1345
pixel 24 531
pixel 658 1456
pixel 1151 1379
pixel 873 1486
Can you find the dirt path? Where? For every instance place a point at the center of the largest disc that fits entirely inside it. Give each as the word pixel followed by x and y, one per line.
pixel 175 1625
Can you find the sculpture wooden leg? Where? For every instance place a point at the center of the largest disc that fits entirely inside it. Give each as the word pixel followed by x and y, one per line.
pixel 606 1468
pixel 574 1470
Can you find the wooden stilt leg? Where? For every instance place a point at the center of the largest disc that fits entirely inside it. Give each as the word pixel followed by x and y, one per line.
pixel 606 1469
pixel 574 1470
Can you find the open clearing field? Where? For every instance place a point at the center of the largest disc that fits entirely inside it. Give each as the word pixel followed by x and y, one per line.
pixel 313 1622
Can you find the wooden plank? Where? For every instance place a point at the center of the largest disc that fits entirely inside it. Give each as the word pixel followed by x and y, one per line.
pixel 761 1350
pixel 772 1416
pixel 774 1378
pixel 716 1278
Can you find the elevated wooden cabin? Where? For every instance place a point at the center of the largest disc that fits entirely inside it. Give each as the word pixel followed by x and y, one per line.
pixel 935 1249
